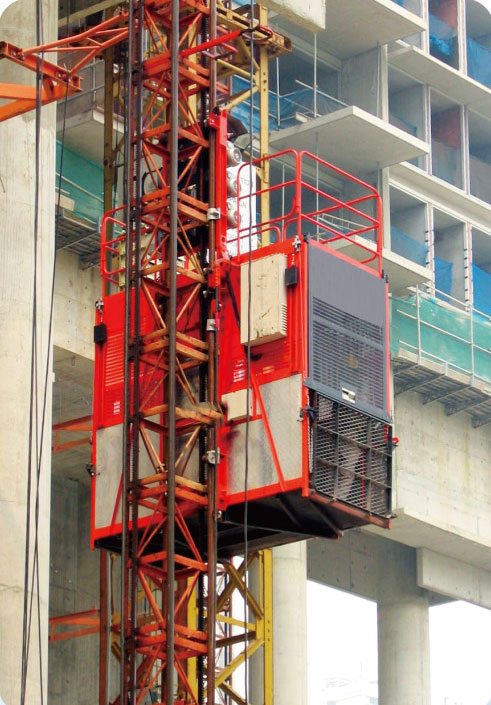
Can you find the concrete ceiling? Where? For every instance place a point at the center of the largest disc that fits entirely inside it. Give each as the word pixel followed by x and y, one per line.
pixel 351 139
pixel 355 26
pixel 400 200
pixel 84 132
pixel 415 531
pixel 449 82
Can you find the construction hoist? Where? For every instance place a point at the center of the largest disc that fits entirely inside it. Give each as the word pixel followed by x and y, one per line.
pixel 241 392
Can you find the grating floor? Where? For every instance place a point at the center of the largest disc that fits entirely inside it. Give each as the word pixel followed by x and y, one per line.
pixel 80 236
pixel 457 391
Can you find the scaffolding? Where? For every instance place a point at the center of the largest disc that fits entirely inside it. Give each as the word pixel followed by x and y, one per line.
pixel 443 353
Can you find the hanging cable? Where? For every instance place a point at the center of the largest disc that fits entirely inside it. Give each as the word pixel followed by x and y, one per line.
pixel 248 364
pixel 34 392
pixel 27 608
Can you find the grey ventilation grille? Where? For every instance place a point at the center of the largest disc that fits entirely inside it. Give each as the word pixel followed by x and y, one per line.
pixel 347 355
pixel 347 332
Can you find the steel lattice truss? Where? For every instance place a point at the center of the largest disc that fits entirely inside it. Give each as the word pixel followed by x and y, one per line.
pixel 161 246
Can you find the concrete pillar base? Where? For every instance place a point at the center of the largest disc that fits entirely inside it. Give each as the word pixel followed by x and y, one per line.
pixel 403 635
pixel 290 624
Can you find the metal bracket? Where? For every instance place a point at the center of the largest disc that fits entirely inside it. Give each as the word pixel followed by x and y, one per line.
pixel 310 412
pixel 213 214
pixel 211 325
pixel 212 456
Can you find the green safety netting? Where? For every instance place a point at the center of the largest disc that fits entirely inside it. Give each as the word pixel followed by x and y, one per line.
pixel 83 182
pixel 446 335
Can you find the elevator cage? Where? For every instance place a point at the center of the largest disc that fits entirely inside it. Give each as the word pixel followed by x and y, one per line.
pixel 310 402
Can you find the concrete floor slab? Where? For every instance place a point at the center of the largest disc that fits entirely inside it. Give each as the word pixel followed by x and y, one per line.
pixel 352 139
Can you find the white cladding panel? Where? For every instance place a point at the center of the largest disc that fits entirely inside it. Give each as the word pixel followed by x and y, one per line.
pixel 282 401
pixel 268 300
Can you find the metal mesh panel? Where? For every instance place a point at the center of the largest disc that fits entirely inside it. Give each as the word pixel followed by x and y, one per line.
pixel 347 354
pixel 351 456
pixel 347 333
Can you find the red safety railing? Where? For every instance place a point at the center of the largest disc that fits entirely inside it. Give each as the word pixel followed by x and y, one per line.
pixel 113 236
pixel 111 245
pixel 332 219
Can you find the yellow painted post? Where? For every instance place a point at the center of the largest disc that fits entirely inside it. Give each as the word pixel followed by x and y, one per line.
pixel 264 124
pixel 267 572
pixel 192 664
pixel 109 155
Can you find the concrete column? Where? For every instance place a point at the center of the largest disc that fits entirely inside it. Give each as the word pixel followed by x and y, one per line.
pixel 290 624
pixel 289 629
pixel 17 144
pixel 403 632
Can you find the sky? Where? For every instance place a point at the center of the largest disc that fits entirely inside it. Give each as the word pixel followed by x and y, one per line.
pixel 460 646
pixel 487 5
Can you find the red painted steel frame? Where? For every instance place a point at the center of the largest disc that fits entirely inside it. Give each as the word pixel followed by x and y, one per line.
pixel 287 357
pixel 298 215
pixel 85 622
pixel 277 360
pixel 147 501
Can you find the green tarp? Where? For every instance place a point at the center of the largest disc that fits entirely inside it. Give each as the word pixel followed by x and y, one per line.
pixel 82 181
pixel 445 334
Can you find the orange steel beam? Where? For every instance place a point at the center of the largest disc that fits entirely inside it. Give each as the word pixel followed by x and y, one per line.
pixel 88 620
pixel 80 425
pixel 57 81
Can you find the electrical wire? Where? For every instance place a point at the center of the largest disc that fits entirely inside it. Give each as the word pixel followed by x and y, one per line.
pixel 27 609
pixel 248 363
pixel 34 391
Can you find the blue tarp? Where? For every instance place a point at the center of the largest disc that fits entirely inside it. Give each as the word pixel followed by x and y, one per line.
pixel 283 112
pixel 243 110
pixel 407 246
pixel 479 62
pixel 443 277
pixel 403 124
pixel 445 161
pixel 481 283
pixel 441 36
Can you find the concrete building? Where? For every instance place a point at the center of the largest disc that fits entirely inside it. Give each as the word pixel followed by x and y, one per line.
pixel 397 92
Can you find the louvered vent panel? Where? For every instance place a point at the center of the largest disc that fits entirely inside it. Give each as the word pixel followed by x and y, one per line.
pixel 347 332
pixel 347 354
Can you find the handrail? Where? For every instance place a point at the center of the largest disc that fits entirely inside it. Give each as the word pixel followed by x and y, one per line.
pixel 111 247
pixel 421 324
pixel 297 216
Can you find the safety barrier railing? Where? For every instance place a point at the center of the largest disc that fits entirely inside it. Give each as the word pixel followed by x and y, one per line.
pixel 313 211
pixel 452 334
pixel 113 236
